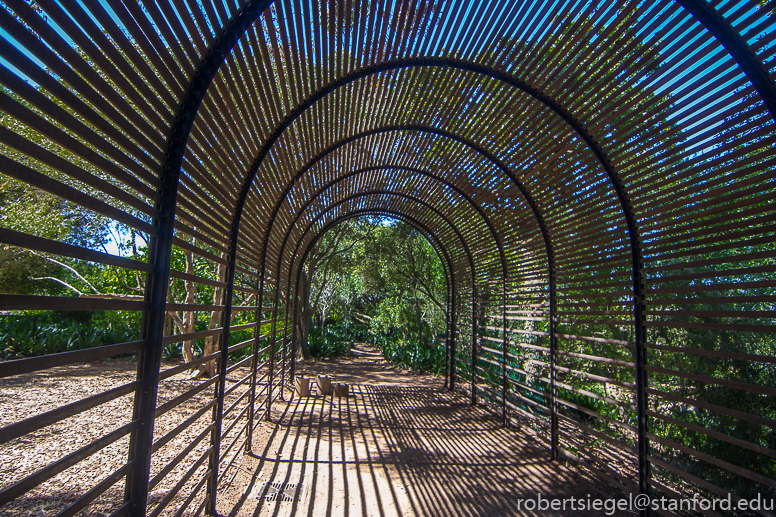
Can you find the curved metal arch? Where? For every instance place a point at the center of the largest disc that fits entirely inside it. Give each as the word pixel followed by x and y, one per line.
pixel 529 200
pixel 239 24
pixel 451 275
pixel 414 170
pixel 460 238
pixel 479 210
pixel 639 287
pixel 409 127
pixel 436 243
pixel 406 127
pixel 637 262
pixel 436 212
pixel 160 248
pixel 723 32
pixel 490 157
pixel 160 253
pixel 422 129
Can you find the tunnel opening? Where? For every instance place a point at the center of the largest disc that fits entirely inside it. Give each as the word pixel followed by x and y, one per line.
pixel 378 281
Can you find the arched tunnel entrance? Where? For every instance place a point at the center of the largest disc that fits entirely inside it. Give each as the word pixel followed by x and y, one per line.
pixel 597 177
pixel 381 258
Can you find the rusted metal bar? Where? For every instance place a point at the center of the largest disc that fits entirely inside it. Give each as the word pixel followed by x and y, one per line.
pixel 34 364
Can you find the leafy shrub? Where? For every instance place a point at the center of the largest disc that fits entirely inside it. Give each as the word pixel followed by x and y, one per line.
pixel 328 343
pixel 28 335
pixel 411 353
pixel 172 351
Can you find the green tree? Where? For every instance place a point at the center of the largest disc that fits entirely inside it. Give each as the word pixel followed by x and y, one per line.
pixel 377 280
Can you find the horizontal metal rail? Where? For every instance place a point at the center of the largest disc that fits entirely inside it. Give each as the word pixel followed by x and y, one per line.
pixel 177 459
pixel 35 364
pixel 25 485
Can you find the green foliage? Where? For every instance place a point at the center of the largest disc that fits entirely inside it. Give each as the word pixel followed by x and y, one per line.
pixel 379 281
pixel 18 268
pixel 26 209
pixel 412 353
pixel 172 351
pixel 327 344
pixel 29 335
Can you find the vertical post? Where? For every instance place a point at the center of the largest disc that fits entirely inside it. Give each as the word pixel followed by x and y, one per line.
pixel 447 353
pixel 223 342
pixel 641 380
pixel 448 317
pixel 505 345
pixel 474 346
pixel 285 353
pixel 150 360
pixel 218 409
pixel 255 364
pixel 284 344
pixel 554 452
pixel 157 283
pixel 289 319
pixel 453 340
pixel 291 316
pixel 160 252
pixel 272 343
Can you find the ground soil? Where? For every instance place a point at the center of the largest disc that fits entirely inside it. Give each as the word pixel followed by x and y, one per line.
pixel 24 396
pixel 400 445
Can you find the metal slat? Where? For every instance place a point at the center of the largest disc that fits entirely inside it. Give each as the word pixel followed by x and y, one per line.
pixel 34 364
pixel 20 487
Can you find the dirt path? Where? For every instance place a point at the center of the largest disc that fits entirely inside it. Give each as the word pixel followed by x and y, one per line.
pixel 399 445
pixel 24 396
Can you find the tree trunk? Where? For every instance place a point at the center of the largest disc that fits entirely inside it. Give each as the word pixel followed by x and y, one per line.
pixel 303 319
pixel 213 343
pixel 189 316
pixel 418 318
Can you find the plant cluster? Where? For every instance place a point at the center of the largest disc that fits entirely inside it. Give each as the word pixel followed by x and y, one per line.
pixel 42 333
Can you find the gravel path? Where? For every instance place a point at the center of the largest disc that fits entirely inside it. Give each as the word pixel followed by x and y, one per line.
pixel 399 445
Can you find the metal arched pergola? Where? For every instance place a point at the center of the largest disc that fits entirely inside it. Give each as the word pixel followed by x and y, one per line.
pixel 596 177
